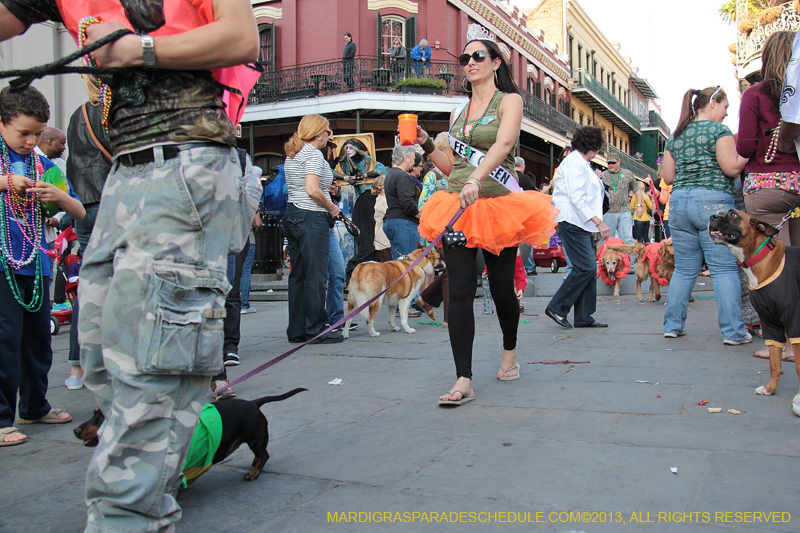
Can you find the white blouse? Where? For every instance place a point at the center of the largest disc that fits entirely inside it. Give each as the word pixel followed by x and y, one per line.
pixel 578 192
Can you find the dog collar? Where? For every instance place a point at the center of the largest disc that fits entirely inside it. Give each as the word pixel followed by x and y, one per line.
pixel 761 252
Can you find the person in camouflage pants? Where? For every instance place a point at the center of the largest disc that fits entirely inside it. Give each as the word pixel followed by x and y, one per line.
pixel 151 325
pixel 153 280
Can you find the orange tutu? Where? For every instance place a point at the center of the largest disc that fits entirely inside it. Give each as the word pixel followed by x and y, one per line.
pixel 492 224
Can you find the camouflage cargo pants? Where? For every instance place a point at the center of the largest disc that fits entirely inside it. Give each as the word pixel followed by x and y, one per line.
pixel 152 296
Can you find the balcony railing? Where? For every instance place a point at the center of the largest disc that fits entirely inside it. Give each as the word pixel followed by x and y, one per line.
pixel 637 167
pixel 537 110
pixel 360 74
pixel 654 120
pixel 584 80
pixel 374 75
pixel 748 45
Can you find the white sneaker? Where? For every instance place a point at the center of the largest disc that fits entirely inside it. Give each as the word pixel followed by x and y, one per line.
pixel 730 342
pixel 230 359
pixel 248 311
pixel 74 383
pixel 671 335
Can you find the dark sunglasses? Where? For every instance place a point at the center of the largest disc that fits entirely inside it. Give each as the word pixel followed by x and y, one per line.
pixel 479 56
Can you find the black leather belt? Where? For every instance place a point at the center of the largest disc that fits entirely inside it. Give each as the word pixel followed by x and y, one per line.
pixel 146 156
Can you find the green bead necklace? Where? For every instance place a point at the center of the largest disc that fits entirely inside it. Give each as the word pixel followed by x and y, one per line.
pixel 468 140
pixel 38 285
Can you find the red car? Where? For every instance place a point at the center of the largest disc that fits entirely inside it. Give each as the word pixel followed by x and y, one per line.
pixel 550 257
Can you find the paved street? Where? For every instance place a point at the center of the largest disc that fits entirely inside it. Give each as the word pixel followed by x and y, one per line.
pixel 581 437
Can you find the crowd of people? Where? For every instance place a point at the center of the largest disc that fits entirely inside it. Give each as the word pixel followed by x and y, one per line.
pixel 166 255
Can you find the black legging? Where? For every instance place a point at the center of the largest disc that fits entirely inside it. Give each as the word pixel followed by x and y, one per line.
pixel 463 273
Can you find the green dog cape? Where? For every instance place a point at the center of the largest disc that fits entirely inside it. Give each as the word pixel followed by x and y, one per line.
pixel 204 445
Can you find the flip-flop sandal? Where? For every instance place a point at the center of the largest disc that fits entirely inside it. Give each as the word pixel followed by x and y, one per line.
pixel 53 417
pixel 501 376
pixel 428 308
pixel 456 402
pixel 10 431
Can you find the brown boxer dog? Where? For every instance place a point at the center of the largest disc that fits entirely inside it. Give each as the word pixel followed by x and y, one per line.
pixel 772 270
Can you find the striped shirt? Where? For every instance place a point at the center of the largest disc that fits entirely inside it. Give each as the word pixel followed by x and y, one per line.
pixel 308 160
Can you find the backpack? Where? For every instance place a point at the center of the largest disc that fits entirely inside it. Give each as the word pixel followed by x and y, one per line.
pixel 276 194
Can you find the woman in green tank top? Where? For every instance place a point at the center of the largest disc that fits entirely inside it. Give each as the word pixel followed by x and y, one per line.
pixel 496 220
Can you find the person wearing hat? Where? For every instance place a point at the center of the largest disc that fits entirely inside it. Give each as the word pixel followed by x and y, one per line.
pixel 620 183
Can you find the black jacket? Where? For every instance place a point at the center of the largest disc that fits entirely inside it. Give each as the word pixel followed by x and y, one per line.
pixel 349 51
pixel 87 166
pixel 401 196
pixel 364 218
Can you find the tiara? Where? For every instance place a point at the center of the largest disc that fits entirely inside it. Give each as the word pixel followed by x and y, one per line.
pixel 476 32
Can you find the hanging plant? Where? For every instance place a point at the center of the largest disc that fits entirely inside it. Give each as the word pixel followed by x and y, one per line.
pixel 770 15
pixel 745 26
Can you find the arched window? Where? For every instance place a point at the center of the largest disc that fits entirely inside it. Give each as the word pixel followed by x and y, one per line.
pixel 392 28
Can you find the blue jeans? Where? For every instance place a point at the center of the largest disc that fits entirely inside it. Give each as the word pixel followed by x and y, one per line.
pixel 308 237
pixel 621 225
pixel 526 253
pixel 403 236
pixel 334 302
pixel 690 210
pixel 579 288
pixel 25 353
pixel 246 271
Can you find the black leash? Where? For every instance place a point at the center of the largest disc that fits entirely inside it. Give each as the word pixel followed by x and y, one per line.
pixel 24 77
pixel 788 215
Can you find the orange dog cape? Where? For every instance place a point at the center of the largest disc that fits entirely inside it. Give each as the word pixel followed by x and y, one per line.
pixel 651 252
pixel 178 16
pixel 622 268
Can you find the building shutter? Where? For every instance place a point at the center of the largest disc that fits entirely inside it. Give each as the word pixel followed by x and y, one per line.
pixel 380 29
pixel 411 33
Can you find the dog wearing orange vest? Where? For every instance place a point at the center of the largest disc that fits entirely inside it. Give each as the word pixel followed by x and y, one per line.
pixel 371 278
pixel 655 261
pixel 613 265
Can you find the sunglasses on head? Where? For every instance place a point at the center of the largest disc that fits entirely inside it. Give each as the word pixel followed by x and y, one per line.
pixel 479 56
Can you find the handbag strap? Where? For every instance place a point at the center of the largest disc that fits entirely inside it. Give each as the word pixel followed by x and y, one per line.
pixel 91 132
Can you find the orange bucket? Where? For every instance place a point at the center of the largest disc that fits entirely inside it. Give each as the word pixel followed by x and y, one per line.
pixel 408 129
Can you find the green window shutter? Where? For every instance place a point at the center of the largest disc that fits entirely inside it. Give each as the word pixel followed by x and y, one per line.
pixel 379 36
pixel 411 33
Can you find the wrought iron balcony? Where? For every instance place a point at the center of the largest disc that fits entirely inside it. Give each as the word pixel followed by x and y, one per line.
pixel 654 120
pixel 378 75
pixel 336 76
pixel 748 45
pixel 591 91
pixel 639 169
pixel 539 111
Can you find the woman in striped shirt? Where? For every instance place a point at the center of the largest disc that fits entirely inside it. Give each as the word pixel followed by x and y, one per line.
pixel 306 225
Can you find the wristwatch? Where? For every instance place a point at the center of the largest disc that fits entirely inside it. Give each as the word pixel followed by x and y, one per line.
pixel 148 51
pixel 638 205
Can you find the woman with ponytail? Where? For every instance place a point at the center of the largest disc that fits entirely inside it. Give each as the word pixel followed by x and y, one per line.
pixel 700 162
pixel 306 224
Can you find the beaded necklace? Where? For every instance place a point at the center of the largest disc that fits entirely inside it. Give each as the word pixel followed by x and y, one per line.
pixel 772 149
pixel 26 213
pixel 105 90
pixel 468 140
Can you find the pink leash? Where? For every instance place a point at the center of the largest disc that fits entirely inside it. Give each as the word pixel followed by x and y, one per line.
pixel 360 308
